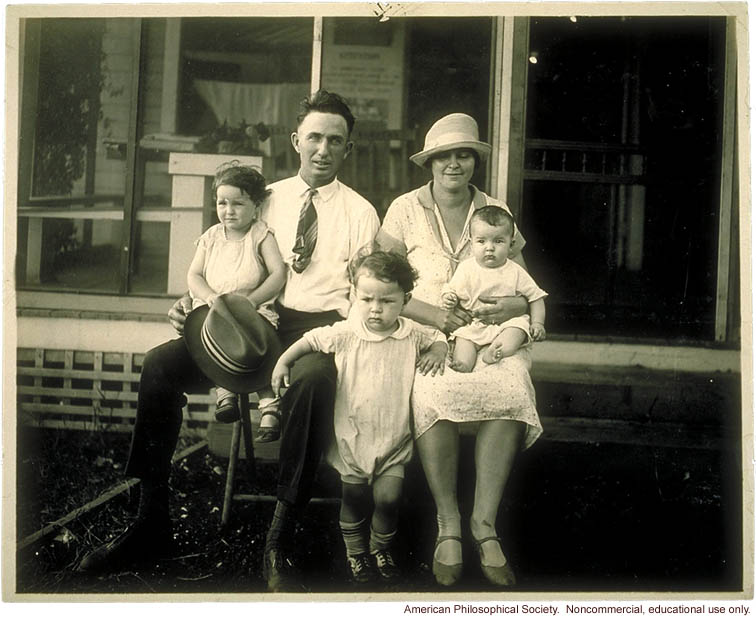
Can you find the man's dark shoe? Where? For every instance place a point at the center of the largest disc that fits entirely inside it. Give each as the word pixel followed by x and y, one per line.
pixel 386 566
pixel 143 542
pixel 361 568
pixel 279 571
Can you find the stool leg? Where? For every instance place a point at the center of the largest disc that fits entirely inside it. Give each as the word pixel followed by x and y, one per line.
pixel 249 449
pixel 233 459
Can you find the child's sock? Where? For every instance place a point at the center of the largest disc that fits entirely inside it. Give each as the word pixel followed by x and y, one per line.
pixel 222 394
pixel 380 541
pixel 268 404
pixel 354 537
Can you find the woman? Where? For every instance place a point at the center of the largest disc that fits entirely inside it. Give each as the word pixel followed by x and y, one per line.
pixel 431 226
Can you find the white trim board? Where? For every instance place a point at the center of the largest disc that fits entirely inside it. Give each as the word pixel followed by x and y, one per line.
pixel 138 336
pixel 610 354
pixel 92 335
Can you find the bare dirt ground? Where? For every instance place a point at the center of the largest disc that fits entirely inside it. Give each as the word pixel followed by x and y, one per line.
pixel 576 517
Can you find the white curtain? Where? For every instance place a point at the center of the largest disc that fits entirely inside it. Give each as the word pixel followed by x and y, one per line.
pixel 272 104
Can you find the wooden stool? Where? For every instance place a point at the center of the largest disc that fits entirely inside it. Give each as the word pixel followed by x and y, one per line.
pixel 268 452
pixel 243 427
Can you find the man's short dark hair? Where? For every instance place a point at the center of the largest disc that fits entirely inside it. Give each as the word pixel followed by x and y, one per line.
pixel 388 266
pixel 328 103
pixel 245 178
pixel 494 216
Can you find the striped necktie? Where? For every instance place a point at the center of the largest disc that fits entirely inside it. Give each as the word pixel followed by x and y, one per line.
pixel 307 233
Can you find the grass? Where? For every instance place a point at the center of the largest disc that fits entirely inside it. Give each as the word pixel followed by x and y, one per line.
pixel 576 517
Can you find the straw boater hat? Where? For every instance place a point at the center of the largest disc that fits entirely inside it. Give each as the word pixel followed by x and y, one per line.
pixel 451 131
pixel 232 344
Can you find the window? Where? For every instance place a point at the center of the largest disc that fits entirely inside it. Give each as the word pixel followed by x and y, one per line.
pixel 104 104
pixel 399 77
pixel 71 198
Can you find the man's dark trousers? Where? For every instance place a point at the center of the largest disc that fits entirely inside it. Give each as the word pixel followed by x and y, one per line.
pixel 169 371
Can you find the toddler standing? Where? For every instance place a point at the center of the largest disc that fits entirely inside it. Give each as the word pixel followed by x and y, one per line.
pixel 240 255
pixel 490 273
pixel 377 353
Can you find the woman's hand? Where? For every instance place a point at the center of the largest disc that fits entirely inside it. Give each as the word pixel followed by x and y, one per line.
pixel 433 360
pixel 500 309
pixel 178 313
pixel 451 319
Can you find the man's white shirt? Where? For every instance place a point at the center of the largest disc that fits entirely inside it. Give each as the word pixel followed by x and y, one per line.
pixel 346 223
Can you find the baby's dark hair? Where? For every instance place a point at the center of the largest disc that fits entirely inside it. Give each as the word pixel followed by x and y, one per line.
pixel 246 178
pixel 328 103
pixel 494 216
pixel 387 266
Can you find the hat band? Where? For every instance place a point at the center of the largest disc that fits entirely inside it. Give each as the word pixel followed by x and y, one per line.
pixel 221 358
pixel 451 138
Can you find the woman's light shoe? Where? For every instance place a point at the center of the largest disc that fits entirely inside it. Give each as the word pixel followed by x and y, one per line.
pixel 446 575
pixel 501 576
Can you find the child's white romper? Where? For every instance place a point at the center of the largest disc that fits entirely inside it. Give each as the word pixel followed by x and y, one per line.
pixel 372 410
pixel 472 281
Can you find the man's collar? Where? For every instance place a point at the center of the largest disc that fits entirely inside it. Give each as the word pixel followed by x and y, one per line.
pixel 425 196
pixel 325 191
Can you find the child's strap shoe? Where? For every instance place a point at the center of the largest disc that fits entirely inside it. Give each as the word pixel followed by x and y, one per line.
pixel 227 411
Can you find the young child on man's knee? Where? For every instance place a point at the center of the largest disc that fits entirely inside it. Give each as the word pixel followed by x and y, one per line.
pixel 240 255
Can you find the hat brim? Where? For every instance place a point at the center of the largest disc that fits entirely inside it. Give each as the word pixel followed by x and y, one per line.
pixel 238 384
pixel 482 148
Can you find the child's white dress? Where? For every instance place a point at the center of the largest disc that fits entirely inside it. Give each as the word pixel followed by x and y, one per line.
pixel 472 281
pixel 372 409
pixel 231 265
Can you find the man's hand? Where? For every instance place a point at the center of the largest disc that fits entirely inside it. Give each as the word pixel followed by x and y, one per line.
pixel 178 313
pixel 500 309
pixel 449 320
pixel 279 378
pixel 433 360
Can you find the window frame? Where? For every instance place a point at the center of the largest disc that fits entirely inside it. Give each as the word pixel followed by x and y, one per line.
pixel 62 207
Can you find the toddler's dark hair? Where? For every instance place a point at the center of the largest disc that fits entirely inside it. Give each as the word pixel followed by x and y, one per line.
pixel 328 103
pixel 494 216
pixel 387 266
pixel 246 178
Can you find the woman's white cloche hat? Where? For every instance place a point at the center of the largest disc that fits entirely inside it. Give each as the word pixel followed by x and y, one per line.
pixel 450 132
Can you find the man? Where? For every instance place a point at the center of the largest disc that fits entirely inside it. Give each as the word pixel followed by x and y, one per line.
pixel 319 225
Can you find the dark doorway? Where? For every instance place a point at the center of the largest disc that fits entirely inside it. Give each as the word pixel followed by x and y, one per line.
pixel 621 191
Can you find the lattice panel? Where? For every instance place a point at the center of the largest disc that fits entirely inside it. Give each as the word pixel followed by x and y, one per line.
pixel 83 390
